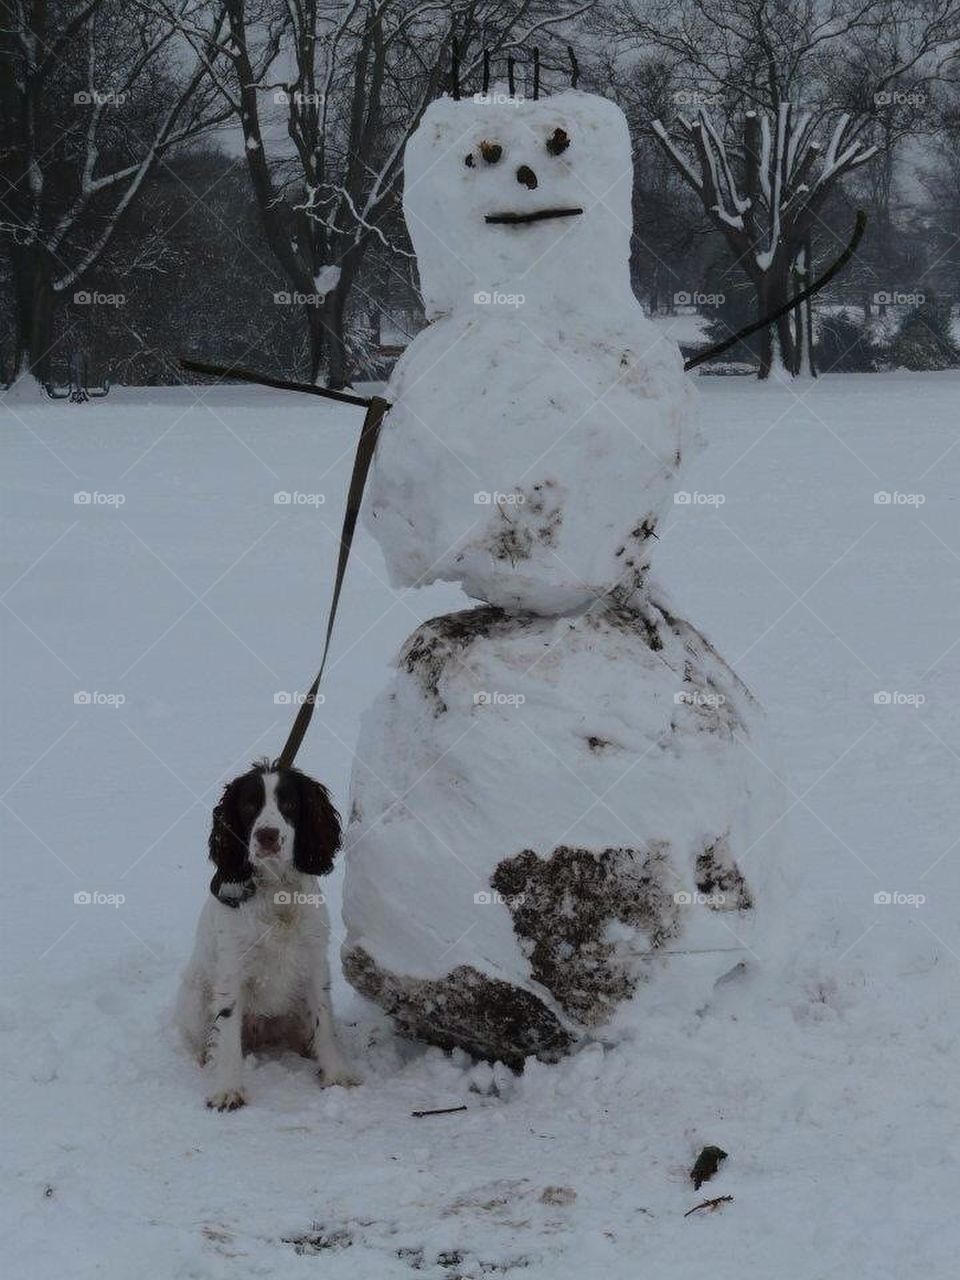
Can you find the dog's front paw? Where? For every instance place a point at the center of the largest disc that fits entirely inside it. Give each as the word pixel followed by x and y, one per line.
pixel 226 1100
pixel 338 1074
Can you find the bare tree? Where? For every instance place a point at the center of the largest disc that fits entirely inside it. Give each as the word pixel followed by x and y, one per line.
pixel 941 179
pixel 778 63
pixel 759 53
pixel 763 196
pixel 98 93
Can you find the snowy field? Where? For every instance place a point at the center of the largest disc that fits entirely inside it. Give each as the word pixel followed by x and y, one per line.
pixel 831 1081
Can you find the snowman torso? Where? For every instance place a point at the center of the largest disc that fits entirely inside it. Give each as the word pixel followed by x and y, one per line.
pixel 539 421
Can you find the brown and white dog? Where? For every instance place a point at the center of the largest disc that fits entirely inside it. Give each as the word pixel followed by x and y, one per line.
pixel 259 975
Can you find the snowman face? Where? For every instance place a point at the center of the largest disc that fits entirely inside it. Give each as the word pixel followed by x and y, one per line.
pixel 529 199
pixel 555 177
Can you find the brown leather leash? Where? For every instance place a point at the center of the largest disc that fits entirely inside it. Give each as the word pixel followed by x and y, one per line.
pixel 366 447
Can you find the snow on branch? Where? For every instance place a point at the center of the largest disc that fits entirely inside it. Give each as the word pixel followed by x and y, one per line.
pixel 676 155
pixel 763 193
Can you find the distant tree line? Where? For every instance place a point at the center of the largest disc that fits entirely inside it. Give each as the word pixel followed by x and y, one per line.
pixel 222 178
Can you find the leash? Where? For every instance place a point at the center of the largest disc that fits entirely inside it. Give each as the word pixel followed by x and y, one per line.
pixel 858 230
pixel 366 447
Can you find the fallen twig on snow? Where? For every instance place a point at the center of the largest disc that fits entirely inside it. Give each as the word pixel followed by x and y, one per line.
pixel 437 1111
pixel 709 1204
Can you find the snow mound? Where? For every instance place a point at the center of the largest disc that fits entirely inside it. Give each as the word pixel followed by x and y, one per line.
pixel 553 823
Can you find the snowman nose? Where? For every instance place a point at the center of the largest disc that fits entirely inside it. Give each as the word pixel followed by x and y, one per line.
pixel 526 177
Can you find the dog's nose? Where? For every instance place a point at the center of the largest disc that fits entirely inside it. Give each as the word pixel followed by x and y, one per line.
pixel 526 177
pixel 268 838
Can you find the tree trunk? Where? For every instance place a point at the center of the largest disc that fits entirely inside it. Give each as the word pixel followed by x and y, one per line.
pixel 338 364
pixel 35 305
pixel 785 340
pixel 316 332
pixel 808 305
pixel 803 316
pixel 335 306
pixel 777 344
pixel 811 362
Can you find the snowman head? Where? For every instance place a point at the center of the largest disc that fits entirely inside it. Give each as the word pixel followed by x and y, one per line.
pixel 522 199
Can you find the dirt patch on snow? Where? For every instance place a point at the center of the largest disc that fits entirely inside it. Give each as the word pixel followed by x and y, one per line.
pixel 533 518
pixel 426 654
pixel 465 1009
pixel 563 907
pixel 721 880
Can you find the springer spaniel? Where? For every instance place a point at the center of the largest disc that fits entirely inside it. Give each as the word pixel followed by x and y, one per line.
pixel 259 974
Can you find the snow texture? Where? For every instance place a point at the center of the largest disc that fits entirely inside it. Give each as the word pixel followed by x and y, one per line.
pixel 538 424
pixel 830 1077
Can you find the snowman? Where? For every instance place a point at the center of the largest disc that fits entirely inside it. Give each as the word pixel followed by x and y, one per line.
pixel 555 804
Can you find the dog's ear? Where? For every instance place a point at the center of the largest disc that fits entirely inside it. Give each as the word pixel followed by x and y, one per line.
pixel 228 849
pixel 317 837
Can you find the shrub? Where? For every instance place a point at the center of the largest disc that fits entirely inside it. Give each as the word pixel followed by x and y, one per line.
pixel 843 346
pixel 924 341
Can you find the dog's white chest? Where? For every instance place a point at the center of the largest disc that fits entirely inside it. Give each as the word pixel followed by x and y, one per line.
pixel 277 964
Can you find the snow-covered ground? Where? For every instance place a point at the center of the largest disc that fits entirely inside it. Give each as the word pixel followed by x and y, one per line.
pixel 831 1082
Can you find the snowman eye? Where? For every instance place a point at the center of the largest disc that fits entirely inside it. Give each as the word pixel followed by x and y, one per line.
pixel 468 159
pixel 491 151
pixel 558 142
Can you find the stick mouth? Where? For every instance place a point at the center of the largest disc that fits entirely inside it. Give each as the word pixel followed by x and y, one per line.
pixel 520 219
